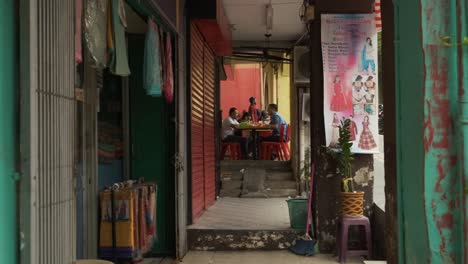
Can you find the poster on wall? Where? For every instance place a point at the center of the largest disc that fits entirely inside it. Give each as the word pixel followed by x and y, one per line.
pixel 349 48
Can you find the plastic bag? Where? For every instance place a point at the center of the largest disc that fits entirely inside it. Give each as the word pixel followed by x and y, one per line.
pixel 95 22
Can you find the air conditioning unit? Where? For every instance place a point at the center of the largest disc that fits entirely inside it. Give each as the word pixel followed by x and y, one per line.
pixel 301 65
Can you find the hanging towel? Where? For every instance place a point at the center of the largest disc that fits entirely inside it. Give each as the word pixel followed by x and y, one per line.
pixel 95 23
pixel 78 15
pixel 119 64
pixel 168 87
pixel 152 62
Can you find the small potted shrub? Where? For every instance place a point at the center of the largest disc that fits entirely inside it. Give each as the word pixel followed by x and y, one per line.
pixel 352 202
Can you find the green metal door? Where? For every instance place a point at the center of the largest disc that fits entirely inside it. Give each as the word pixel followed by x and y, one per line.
pixel 152 134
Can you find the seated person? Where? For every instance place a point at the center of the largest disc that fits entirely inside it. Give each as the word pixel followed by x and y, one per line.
pixel 228 131
pixel 265 117
pixel 246 117
pixel 275 122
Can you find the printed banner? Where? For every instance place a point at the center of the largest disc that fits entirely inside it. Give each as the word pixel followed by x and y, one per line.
pixel 349 48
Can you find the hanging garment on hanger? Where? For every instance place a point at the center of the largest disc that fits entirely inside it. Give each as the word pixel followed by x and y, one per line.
pixel 95 22
pixel 110 36
pixel 119 65
pixel 152 61
pixel 78 16
pixel 168 87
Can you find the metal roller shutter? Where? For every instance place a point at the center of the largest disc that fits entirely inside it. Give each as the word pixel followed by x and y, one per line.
pixel 209 127
pixel 203 127
pixel 48 105
pixel 197 98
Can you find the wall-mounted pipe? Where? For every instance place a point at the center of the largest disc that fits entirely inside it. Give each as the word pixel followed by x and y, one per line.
pixel 8 64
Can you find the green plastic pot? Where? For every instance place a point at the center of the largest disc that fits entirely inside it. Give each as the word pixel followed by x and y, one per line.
pixel 297 213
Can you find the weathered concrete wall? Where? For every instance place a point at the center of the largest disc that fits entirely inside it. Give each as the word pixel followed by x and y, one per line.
pixel 328 201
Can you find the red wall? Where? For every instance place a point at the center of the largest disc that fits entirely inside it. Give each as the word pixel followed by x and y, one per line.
pixel 241 84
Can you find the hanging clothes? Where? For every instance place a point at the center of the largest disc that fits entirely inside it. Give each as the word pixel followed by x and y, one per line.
pixel 119 64
pixel 152 61
pixel 78 16
pixel 95 22
pixel 168 87
pixel 110 36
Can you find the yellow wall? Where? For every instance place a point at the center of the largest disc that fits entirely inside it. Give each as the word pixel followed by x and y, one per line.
pixel 284 92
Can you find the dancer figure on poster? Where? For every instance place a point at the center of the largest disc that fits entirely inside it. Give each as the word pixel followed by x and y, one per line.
pixel 335 132
pixel 366 140
pixel 368 57
pixel 339 101
pixel 353 130
pixel 358 96
pixel 369 96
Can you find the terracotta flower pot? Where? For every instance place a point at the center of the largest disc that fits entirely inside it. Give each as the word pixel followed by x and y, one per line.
pixel 352 204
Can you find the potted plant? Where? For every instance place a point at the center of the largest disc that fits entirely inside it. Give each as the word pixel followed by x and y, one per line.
pixel 352 202
pixel 298 206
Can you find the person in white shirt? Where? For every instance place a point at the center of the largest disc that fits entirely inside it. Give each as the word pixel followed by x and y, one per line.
pixel 228 131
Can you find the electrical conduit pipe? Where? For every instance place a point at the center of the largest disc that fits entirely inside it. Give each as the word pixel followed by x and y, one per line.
pixel 8 239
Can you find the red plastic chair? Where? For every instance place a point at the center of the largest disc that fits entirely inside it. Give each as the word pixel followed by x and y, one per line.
pixel 281 148
pixel 234 150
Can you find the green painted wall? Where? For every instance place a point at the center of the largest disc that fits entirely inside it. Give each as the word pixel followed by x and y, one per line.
pixel 413 240
pixel 8 89
pixel 153 140
pixel 429 82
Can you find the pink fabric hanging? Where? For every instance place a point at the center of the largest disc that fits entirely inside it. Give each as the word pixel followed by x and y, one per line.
pixel 78 49
pixel 168 86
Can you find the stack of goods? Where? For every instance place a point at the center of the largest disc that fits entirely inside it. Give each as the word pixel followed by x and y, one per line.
pixel 110 145
pixel 130 232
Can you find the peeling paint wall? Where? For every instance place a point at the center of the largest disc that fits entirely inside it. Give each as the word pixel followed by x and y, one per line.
pixel 429 86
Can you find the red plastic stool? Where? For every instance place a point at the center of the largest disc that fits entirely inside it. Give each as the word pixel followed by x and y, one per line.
pixel 342 238
pixel 234 150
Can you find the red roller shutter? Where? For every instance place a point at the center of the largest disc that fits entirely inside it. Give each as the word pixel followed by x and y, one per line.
pixel 196 71
pixel 203 127
pixel 209 128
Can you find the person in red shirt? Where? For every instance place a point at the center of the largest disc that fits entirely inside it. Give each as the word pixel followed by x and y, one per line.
pixel 253 110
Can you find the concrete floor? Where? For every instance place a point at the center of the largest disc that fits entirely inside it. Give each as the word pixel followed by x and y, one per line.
pixel 258 257
pixel 246 214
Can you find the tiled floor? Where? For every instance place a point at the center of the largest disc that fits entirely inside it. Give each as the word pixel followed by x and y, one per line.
pixel 258 257
pixel 246 214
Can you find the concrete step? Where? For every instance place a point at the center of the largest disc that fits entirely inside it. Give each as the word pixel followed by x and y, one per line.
pixel 281 184
pixel 231 185
pixel 231 175
pixel 229 240
pixel 278 193
pixel 279 176
pixel 234 193
pixel 261 164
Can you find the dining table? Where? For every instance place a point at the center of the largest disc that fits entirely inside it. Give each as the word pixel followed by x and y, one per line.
pixel 255 130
